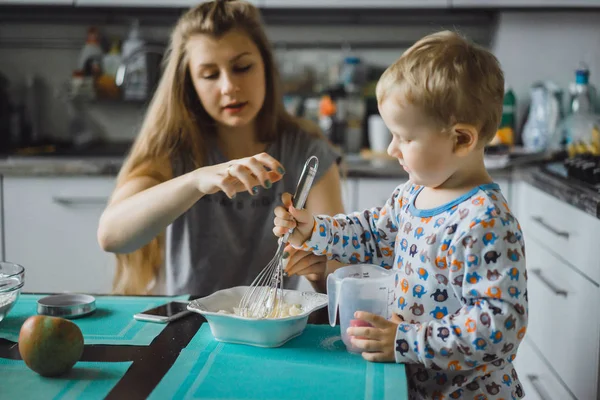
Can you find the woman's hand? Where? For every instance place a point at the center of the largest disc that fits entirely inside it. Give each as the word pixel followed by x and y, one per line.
pixel 303 263
pixel 288 217
pixel 245 174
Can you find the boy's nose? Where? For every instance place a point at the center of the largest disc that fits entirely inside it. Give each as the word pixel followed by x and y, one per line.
pixel 394 151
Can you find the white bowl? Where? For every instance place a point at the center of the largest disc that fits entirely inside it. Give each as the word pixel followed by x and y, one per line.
pixel 266 332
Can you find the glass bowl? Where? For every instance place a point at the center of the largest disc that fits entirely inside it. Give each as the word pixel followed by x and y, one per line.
pixel 12 279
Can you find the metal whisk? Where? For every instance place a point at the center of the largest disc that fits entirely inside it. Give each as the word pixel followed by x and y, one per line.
pixel 265 294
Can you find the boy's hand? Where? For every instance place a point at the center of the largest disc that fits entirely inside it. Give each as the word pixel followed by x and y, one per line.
pixel 287 217
pixel 378 341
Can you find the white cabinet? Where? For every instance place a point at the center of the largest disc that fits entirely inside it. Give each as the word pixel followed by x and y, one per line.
pixel 538 380
pixel 375 192
pixel 349 191
pixel 356 3
pixel 358 194
pixel 143 3
pixel 567 232
pixel 50 226
pixel 563 291
pixel 570 345
pixel 525 3
pixel 361 193
pixel 37 2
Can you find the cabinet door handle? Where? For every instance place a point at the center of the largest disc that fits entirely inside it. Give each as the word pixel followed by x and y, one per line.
pixel 550 285
pixel 82 200
pixel 543 223
pixel 537 386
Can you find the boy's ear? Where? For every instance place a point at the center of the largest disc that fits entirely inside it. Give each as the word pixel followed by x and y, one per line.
pixel 466 138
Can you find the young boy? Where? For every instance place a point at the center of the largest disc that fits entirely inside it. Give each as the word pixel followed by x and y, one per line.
pixel 458 250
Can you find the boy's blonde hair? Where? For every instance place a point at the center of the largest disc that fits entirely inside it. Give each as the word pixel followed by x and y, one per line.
pixel 452 80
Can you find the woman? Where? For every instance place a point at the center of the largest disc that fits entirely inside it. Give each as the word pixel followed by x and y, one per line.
pixel 192 210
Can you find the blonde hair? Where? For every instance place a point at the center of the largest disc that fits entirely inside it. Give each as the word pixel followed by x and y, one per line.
pixel 452 80
pixel 176 122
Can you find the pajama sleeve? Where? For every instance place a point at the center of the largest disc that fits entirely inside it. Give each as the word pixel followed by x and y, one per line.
pixel 360 237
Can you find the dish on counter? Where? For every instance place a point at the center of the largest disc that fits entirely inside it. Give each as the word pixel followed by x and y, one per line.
pixel 266 332
pixel 283 310
pixel 12 279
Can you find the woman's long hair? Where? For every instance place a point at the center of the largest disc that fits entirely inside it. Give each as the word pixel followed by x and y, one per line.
pixel 176 122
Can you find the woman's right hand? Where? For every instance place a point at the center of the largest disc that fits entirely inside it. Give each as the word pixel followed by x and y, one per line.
pixel 245 174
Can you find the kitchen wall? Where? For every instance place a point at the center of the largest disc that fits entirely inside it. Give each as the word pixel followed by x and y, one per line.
pixel 540 46
pixel 530 45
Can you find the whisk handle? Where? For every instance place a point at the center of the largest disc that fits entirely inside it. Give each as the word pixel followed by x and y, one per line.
pixel 303 188
pixel 306 180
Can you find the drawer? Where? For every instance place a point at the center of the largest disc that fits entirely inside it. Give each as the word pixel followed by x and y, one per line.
pixel 538 380
pixel 568 232
pixel 564 323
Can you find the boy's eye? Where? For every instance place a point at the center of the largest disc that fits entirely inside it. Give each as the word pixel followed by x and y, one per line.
pixel 243 68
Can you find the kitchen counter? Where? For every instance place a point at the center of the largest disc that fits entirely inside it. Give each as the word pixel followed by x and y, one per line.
pixel 60 166
pixel 552 179
pixel 149 363
pixel 74 165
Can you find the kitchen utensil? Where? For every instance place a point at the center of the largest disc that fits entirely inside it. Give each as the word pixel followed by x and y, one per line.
pixel 265 293
pixel 272 332
pixel 360 287
pixel 12 279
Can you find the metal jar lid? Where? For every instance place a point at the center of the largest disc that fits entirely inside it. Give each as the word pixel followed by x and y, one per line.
pixel 66 305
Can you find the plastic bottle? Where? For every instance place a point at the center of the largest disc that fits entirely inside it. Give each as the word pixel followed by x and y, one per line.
pixel 580 96
pixel 106 86
pixel 136 81
pixel 536 131
pixel 509 107
pixel 355 115
pixel 327 110
pixel 90 58
pixel 112 60
pixel 581 120
pixel 506 131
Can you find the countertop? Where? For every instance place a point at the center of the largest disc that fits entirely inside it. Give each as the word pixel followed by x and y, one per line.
pixel 552 179
pixel 150 363
pixel 106 163
pixel 109 165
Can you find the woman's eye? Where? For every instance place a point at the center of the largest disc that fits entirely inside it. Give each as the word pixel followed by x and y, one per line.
pixel 243 69
pixel 210 76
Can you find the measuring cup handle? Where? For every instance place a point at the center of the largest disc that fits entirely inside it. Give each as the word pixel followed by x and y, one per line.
pixel 333 295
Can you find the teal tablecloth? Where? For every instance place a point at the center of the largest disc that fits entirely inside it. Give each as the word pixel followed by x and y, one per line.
pixel 111 323
pixel 86 381
pixel 313 366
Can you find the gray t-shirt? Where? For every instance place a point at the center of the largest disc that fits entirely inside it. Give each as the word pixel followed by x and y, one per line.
pixel 220 243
